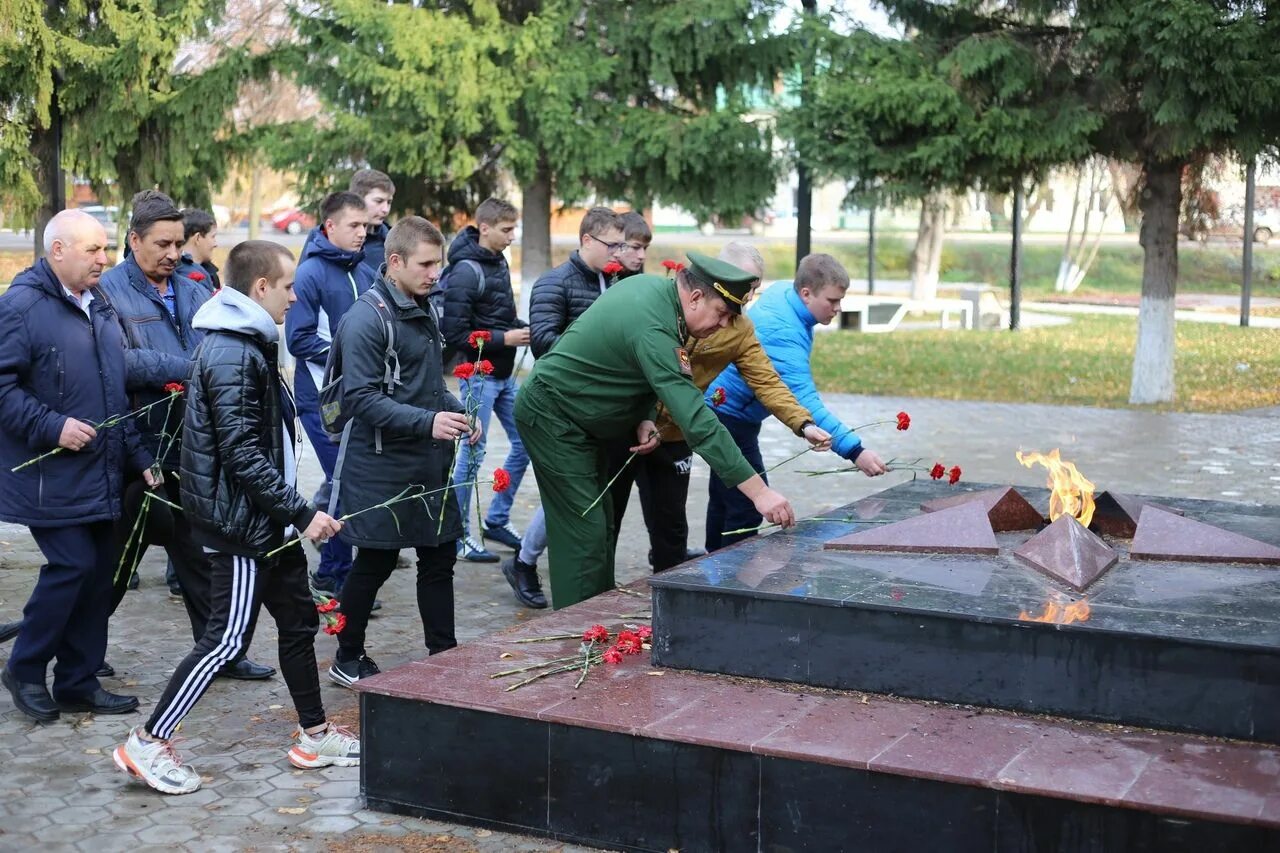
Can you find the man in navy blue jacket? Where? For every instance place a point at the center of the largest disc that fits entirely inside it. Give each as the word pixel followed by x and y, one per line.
pixel 62 370
pixel 330 277
pixel 784 317
pixel 155 307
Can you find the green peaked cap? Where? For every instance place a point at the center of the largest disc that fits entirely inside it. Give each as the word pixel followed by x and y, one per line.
pixel 729 281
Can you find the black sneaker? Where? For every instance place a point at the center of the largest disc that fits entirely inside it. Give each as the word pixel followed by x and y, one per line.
pixel 503 534
pixel 524 583
pixel 347 673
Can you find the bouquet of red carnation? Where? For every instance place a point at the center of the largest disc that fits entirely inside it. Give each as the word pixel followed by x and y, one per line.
pixel 595 650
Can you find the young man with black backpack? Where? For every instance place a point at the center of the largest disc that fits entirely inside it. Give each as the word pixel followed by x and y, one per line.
pixel 478 298
pixel 402 425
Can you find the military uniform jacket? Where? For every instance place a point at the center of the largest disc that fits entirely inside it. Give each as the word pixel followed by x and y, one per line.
pixel 624 355
pixel 738 345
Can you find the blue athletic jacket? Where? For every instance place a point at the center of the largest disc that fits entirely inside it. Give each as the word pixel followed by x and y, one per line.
pixel 784 327
pixel 328 282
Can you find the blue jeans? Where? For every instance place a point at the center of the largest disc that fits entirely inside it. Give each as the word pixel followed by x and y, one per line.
pixel 728 508
pixel 335 555
pixel 495 397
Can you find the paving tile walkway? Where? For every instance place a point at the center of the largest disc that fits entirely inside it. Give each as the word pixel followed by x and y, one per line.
pixel 61 791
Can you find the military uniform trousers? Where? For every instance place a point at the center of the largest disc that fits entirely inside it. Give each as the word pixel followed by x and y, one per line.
pixel 572 468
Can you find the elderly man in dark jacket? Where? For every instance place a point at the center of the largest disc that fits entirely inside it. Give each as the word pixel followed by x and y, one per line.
pixel 479 299
pixel 239 469
pixel 402 434
pixel 62 371
pixel 156 307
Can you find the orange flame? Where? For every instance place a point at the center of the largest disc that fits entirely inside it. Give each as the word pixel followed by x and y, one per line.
pixel 1058 614
pixel 1072 492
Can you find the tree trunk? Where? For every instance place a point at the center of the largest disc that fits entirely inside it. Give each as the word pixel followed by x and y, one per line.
pixel 1160 200
pixel 535 238
pixel 255 199
pixel 44 142
pixel 926 258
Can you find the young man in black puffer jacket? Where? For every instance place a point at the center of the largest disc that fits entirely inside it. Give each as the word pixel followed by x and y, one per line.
pixel 479 298
pixel 239 487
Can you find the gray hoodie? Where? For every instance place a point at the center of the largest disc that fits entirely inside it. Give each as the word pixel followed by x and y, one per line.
pixel 229 310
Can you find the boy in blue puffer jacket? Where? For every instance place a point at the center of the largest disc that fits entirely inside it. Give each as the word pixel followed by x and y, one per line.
pixel 784 317
pixel 330 277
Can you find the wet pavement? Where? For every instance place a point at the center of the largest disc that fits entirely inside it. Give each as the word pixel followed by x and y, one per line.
pixel 62 791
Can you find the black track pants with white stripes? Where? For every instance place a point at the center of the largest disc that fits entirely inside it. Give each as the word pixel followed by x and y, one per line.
pixel 239 586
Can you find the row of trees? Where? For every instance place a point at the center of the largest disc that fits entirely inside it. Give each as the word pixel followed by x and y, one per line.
pixel 643 101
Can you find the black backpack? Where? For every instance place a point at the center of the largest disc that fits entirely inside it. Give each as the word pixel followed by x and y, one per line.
pixel 332 417
pixel 436 298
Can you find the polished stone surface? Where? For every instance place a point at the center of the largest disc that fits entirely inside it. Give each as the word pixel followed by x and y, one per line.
pixel 649 758
pixel 1007 510
pixel 1067 552
pixel 1116 514
pixel 1165 536
pixel 1172 645
pixel 962 529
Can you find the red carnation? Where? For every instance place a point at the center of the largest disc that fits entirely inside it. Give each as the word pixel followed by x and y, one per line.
pixel 904 421
pixel 484 366
pixel 718 397
pixel 937 472
pixel 673 266
pixel 596 634
pixel 196 276
pixel 338 624
pixel 954 476
pixel 612 268
pixel 644 632
pixel 501 480
pixel 475 337
pixel 174 388
pixel 331 604
pixel 464 370
pixel 629 643
pixel 612 656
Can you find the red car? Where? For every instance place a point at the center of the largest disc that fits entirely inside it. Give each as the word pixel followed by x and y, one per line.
pixel 293 221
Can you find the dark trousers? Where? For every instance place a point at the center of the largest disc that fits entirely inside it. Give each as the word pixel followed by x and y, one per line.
pixel 370 571
pixel 66 616
pixel 189 561
pixel 662 478
pixel 335 555
pixel 728 508
pixel 239 586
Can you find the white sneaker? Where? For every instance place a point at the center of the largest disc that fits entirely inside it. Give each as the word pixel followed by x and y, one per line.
pixel 157 763
pixel 336 745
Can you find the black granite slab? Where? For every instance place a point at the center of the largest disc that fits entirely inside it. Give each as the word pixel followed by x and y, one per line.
pixel 1181 646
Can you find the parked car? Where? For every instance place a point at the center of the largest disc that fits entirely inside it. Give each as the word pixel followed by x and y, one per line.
pixel 109 217
pixel 753 225
pixel 293 221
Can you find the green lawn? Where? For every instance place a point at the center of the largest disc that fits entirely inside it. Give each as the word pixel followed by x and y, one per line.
pixel 1088 362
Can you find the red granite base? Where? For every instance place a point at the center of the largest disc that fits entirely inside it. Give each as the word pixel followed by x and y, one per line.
pixel 1022 758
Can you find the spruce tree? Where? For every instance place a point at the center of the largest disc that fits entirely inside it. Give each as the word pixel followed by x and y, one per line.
pixel 991 92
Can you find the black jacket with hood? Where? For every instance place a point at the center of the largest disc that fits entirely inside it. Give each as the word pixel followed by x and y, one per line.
pixel 390 446
pixel 559 297
pixel 239 456
pixel 469 308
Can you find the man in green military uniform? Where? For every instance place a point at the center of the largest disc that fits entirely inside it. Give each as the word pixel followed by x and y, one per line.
pixel 601 382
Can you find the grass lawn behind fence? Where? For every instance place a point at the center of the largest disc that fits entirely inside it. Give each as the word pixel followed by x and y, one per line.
pixel 1086 362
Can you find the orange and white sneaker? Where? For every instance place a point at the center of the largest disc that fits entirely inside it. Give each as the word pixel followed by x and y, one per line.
pixel 336 746
pixel 157 763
